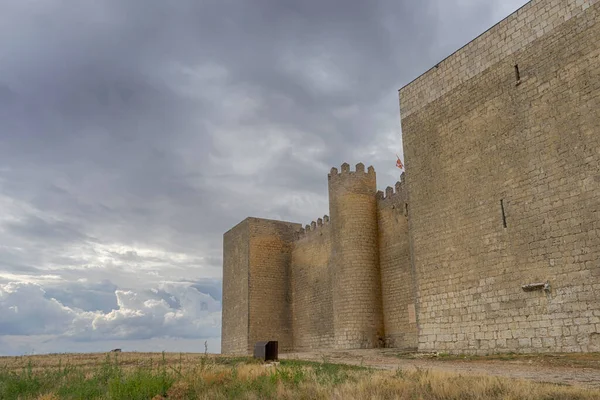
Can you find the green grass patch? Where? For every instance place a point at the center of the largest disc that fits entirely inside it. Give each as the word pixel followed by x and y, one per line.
pixel 106 380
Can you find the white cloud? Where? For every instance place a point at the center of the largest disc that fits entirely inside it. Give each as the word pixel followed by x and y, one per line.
pixel 26 310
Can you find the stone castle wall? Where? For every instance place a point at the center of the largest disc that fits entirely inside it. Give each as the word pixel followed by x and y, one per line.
pixel 504 183
pixel 502 190
pixel 398 289
pixel 312 297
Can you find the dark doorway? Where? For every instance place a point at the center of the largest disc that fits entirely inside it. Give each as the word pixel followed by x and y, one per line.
pixel 266 351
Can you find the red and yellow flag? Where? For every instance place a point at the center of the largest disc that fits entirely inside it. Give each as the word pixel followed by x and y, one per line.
pixel 399 163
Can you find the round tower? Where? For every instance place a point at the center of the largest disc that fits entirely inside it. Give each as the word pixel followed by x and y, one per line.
pixel 356 283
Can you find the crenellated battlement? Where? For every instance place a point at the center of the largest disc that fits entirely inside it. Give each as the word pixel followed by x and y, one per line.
pixel 345 171
pixel 396 192
pixel 314 226
pixel 357 182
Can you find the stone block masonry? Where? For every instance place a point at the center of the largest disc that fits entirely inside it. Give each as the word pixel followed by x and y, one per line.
pixel 502 149
pixel 312 297
pixel 397 277
pixel 235 323
pixel 256 291
pixel 489 243
pixel 356 279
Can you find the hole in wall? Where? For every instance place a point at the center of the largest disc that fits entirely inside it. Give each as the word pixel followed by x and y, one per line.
pixel 503 213
pixel 517 74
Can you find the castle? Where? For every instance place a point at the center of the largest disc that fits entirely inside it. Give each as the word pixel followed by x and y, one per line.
pixel 491 240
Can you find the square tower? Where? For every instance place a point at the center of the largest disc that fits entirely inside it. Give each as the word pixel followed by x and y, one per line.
pixel 256 285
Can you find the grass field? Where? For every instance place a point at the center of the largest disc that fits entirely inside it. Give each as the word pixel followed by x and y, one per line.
pixel 200 376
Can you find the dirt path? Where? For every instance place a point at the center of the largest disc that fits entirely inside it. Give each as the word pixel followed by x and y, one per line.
pixel 529 370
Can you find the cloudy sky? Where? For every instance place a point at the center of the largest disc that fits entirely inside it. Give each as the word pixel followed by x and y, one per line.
pixel 133 133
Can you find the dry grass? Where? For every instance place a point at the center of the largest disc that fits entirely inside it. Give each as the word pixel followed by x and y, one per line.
pixel 194 376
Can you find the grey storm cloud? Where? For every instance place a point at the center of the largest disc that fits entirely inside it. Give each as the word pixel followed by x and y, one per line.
pixel 86 296
pixel 133 133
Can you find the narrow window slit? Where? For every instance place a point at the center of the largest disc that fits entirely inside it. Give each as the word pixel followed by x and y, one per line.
pixel 517 74
pixel 503 214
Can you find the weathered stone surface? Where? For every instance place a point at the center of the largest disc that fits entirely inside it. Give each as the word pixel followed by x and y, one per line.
pixel 312 298
pixel 398 288
pixel 356 279
pixel 234 331
pixel 479 144
pixel 256 285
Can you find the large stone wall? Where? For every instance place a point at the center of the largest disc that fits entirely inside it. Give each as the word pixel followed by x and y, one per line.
pixel 312 308
pixel 234 332
pixel 397 277
pixel 504 183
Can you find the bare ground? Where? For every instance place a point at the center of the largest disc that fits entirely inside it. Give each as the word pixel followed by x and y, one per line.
pixel 566 369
